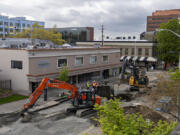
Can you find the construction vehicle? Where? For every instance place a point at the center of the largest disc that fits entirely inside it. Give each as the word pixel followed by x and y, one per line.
pixel 137 77
pixel 84 99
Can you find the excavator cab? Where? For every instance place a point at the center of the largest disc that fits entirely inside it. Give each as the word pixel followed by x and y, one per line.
pixel 86 98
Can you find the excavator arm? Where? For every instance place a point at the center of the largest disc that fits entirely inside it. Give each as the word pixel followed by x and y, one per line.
pixel 45 83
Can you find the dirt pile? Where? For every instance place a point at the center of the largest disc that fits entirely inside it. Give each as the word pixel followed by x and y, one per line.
pixel 145 111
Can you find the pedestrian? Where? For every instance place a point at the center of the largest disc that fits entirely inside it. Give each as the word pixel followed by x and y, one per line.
pixel 88 85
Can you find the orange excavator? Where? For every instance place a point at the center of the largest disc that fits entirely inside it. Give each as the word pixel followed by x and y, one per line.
pixel 84 99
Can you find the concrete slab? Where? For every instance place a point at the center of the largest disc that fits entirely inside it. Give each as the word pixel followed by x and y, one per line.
pixel 12 107
pixel 47 105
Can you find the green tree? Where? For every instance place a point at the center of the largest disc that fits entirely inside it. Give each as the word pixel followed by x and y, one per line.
pixel 168 43
pixel 114 121
pixel 63 75
pixel 38 32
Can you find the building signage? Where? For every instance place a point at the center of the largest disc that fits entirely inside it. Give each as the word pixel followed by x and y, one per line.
pixel 43 64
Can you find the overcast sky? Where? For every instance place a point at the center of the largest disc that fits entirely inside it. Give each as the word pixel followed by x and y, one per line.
pixel 118 16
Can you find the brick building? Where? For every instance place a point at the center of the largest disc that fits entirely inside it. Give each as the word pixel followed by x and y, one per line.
pixel 161 16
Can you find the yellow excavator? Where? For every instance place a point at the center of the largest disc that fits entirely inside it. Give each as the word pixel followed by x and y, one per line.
pixel 137 78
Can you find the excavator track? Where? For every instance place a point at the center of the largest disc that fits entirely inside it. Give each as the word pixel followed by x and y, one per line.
pixel 81 111
pixel 85 112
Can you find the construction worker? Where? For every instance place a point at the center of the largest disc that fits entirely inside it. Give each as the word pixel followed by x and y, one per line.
pixel 94 84
pixel 88 85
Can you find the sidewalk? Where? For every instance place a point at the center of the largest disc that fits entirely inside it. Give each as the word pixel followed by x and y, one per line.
pixel 18 105
pixel 12 107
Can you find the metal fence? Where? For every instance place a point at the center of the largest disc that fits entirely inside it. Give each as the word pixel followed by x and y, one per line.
pixel 6 84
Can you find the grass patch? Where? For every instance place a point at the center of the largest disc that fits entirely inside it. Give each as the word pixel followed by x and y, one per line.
pixel 12 98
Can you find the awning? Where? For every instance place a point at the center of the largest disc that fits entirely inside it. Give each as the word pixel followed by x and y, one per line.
pixel 138 58
pixel 135 58
pixel 128 57
pixel 151 59
pixel 142 59
pixel 122 58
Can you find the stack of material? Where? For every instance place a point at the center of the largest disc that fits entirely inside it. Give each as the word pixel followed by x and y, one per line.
pixel 104 91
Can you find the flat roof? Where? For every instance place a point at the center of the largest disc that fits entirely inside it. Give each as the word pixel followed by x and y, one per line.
pixel 60 49
pixel 138 41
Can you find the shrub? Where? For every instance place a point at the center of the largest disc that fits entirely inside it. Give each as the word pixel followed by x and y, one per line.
pixel 114 121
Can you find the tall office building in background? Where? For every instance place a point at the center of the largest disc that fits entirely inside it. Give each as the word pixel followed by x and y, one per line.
pixel 13 25
pixel 75 34
pixel 161 16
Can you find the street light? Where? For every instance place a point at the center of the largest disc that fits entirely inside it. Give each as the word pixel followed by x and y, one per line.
pixel 169 31
pixel 158 30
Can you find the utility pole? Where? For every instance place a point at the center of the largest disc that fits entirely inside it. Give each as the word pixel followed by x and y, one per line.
pixel 102 30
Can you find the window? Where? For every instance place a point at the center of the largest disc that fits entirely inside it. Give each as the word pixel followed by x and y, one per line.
pixel 139 51
pixel 129 37
pixel 11 24
pixel 118 37
pixel 132 51
pixel 1 23
pixel 134 37
pixel 147 51
pixel 61 62
pixel 93 59
pixel 126 51
pixel 6 23
pixel 16 64
pixel 28 25
pixel 23 25
pixel 105 59
pixel 79 60
pixel 124 37
pixel 11 30
pixel 17 24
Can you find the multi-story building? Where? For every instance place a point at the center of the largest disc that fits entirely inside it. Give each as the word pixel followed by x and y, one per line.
pixel 161 16
pixel 13 25
pixel 74 34
pixel 127 48
pixel 26 67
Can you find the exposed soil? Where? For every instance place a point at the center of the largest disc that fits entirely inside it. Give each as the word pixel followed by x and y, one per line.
pixel 146 112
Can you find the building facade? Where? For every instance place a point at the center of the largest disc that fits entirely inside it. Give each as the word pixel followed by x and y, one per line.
pixel 13 25
pixel 127 48
pixel 123 37
pixel 26 68
pixel 161 16
pixel 74 34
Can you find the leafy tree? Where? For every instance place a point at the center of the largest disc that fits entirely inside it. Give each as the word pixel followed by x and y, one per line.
pixel 38 32
pixel 63 75
pixel 114 121
pixel 168 43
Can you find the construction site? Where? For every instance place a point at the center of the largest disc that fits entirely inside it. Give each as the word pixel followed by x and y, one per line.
pixel 60 108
